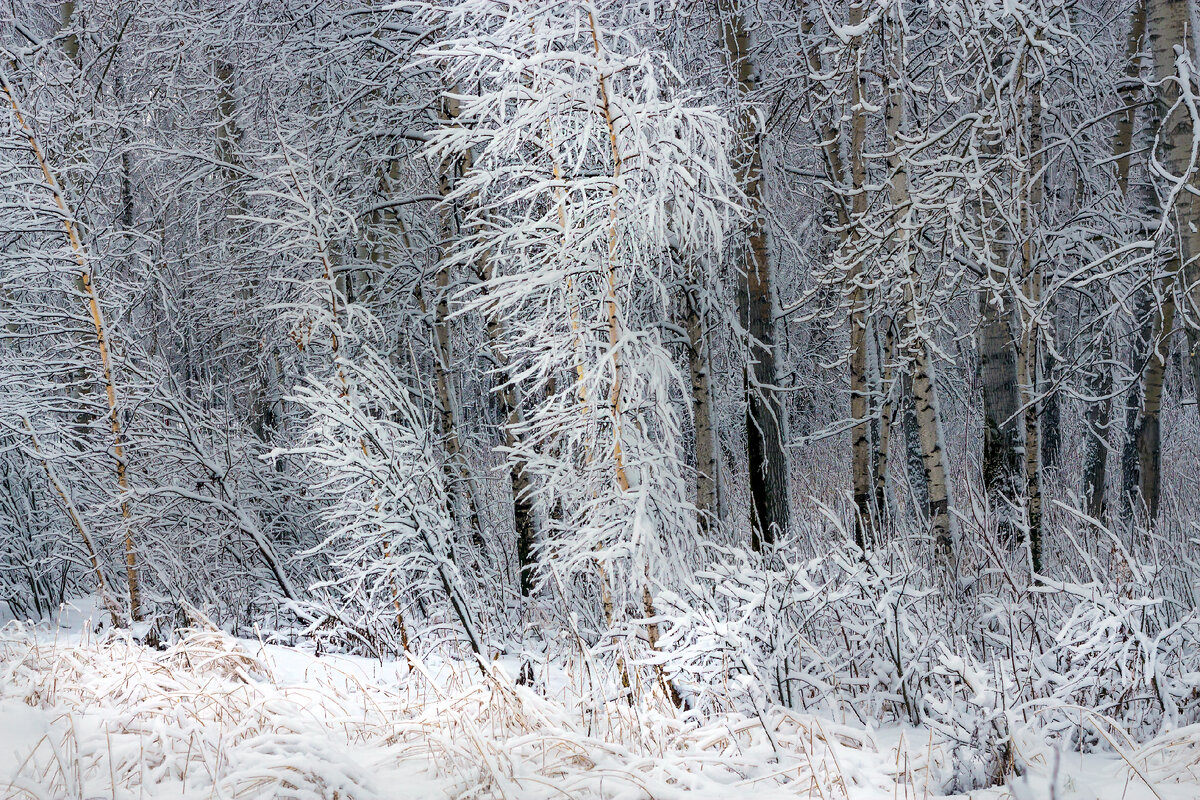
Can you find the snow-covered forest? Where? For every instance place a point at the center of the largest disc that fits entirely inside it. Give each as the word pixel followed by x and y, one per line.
pixel 600 398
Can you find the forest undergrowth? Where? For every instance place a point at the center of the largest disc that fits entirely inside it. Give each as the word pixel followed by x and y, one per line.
pixel 215 716
pixel 838 676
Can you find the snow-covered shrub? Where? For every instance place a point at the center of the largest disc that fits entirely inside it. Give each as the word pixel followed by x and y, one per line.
pixel 968 714
pixel 376 473
pixel 1117 654
pixel 36 553
pixel 839 632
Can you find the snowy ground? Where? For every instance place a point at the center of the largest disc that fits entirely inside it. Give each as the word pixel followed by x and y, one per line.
pixel 216 717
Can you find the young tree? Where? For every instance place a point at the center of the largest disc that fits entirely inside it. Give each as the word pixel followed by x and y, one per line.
pixel 103 368
pixel 588 167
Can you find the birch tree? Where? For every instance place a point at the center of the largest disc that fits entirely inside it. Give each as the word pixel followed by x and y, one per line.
pixel 587 168
pixel 766 458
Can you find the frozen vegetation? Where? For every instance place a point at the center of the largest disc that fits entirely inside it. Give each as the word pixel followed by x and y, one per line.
pixel 99 715
pixel 599 398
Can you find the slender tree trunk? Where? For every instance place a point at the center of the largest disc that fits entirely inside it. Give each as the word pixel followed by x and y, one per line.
pixel 708 459
pixel 524 521
pixel 1027 365
pixel 1051 407
pixel 1002 456
pixel 70 42
pixel 106 370
pixel 999 373
pixel 262 398
pixel 914 460
pixel 1169 24
pixel 510 405
pixel 80 385
pixel 849 203
pixel 932 487
pixel 861 457
pixel 670 691
pixel 766 459
pixel 929 433
pixel 882 411
pixel 1028 378
pixel 460 482
pixel 1149 434
pixel 1144 344
pixel 77 520
pixel 1096 425
pixel 379 256
pixel 1098 416
pixel 1168 27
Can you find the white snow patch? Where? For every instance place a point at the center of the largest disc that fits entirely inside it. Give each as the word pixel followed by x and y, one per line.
pixel 85 716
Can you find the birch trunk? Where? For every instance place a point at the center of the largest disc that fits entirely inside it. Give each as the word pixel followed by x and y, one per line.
pixel 925 414
pixel 999 374
pixel 861 457
pixel 1028 364
pixel 1002 457
pixel 914 460
pixel 766 459
pixel 1098 416
pixel 88 289
pixel 458 473
pixel 1050 412
pixel 670 691
pixel 708 474
pixel 1149 434
pixel 1143 352
pixel 77 520
pixel 510 405
pixel 1169 25
pixel 881 412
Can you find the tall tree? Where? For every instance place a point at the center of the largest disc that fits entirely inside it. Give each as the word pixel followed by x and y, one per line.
pixel 1169 28
pixel 924 404
pixel 106 374
pixel 1098 416
pixel 766 459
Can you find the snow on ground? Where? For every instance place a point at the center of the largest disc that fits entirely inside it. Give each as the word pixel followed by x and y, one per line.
pixel 215 717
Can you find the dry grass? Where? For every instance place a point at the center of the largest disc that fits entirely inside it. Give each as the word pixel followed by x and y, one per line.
pixel 215 717
pixel 211 717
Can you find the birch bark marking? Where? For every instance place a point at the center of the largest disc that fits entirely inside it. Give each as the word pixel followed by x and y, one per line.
pixel 884 410
pixel 1149 436
pixel 708 459
pixel 1030 342
pixel 1167 28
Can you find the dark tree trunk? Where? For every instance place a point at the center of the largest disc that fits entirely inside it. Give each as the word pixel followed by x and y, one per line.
pixel 1096 424
pixel 1003 455
pixel 914 461
pixel 767 462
